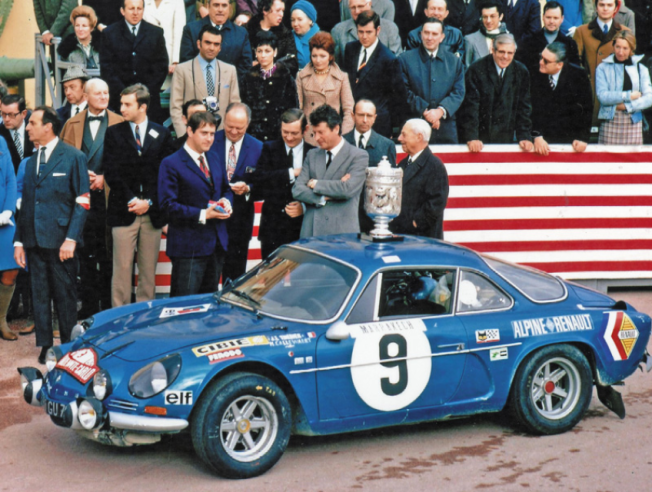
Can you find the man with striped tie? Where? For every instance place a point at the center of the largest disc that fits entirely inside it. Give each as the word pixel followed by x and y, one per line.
pixel 133 151
pixel 15 118
pixel 195 195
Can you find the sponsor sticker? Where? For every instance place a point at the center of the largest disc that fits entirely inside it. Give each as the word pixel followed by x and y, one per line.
pixel 487 336
pixel 178 397
pixel 211 348
pixel 299 360
pixel 223 355
pixel 620 334
pixel 81 364
pixel 291 339
pixel 498 354
pixel 391 259
pixel 397 326
pixel 550 325
pixel 179 311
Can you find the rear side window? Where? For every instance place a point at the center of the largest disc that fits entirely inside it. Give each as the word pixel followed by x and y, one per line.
pixel 534 284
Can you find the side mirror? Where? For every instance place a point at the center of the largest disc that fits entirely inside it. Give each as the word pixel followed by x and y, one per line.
pixel 338 331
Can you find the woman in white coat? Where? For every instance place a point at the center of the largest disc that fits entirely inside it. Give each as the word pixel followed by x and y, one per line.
pixel 169 15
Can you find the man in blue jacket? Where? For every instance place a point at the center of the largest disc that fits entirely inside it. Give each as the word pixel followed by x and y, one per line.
pixel 434 83
pixel 194 193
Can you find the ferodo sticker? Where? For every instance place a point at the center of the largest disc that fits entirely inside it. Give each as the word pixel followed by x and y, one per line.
pixel 553 324
pixel 211 348
pixel 620 334
pixel 390 363
pixel 81 364
pixel 223 355
pixel 170 312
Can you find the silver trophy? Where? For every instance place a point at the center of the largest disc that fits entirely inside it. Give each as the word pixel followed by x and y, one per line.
pixel 382 199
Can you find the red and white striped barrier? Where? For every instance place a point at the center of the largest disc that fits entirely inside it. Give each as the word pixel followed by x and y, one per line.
pixel 582 216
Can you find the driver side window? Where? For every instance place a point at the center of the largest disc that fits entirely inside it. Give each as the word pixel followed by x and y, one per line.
pixel 416 292
pixel 476 293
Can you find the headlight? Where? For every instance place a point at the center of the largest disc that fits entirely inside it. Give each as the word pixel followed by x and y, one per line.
pixel 80 328
pixel 155 377
pixel 52 356
pixel 102 385
pixel 90 414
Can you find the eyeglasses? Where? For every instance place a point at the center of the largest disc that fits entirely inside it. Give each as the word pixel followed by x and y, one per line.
pixel 547 62
pixel 9 116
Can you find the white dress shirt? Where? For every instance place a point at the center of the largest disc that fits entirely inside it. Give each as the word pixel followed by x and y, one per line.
pixel 73 108
pixel 94 126
pixel 370 52
pixel 142 129
pixel 602 24
pixel 356 137
pixel 131 27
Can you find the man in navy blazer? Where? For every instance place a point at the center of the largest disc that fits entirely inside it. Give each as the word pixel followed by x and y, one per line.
pixel 240 153
pixel 133 151
pixel 523 18
pixel 55 202
pixel 235 48
pixel 129 59
pixel 434 82
pixel 190 181
pixel 368 61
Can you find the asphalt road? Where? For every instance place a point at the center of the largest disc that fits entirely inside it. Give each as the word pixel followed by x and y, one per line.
pixel 602 453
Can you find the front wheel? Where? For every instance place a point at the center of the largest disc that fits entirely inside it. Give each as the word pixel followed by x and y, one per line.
pixel 241 425
pixel 552 390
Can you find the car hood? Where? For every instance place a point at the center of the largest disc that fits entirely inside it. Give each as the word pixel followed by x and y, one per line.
pixel 154 331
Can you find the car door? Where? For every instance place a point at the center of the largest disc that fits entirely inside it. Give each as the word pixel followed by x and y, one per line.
pixel 404 349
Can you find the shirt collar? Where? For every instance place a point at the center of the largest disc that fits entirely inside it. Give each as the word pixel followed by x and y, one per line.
pixel 142 127
pixel 131 27
pixel 555 77
pixel 203 63
pixel 356 136
pixel 81 106
pixel 416 156
pixel 193 155
pixel 49 147
pixel 602 24
pixel 498 69
pixel 337 148
pixel 370 50
pixel 431 54
pixel 295 150
pixel 99 115
pixel 21 128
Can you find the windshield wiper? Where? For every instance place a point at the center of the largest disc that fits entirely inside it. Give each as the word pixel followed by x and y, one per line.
pixel 244 295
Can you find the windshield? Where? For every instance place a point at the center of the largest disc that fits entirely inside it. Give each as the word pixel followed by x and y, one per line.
pixel 536 285
pixel 295 284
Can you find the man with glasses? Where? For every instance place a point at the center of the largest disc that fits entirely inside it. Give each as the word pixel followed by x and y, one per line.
pixel 561 111
pixel 497 104
pixel 15 118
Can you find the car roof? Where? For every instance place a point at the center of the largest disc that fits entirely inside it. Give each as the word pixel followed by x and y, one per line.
pixel 412 251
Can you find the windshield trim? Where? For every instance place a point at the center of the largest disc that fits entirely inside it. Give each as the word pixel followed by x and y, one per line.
pixel 545 274
pixel 340 310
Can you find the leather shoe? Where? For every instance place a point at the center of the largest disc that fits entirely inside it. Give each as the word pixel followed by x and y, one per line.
pixel 41 357
pixel 28 330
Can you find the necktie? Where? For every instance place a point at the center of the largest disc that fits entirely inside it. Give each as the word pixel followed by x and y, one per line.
pixel 210 85
pixel 204 168
pixel 364 59
pixel 605 29
pixel 291 158
pixel 42 162
pixel 552 83
pixel 138 141
pixel 409 161
pixel 329 159
pixel 19 146
pixel 76 110
pixel 361 142
pixel 94 118
pixel 133 30
pixel 230 162
pixel 502 74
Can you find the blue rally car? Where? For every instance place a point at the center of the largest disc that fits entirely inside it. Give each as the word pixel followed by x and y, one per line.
pixel 336 334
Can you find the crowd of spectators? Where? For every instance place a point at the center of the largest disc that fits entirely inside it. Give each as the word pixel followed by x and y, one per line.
pixel 254 85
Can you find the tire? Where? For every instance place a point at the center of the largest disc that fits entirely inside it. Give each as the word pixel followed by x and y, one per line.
pixel 241 446
pixel 552 390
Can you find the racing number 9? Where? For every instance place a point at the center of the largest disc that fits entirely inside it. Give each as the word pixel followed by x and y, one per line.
pixel 398 346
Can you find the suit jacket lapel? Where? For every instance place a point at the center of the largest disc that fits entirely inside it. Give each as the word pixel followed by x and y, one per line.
pixel 148 139
pixel 337 161
pixel 413 169
pixel 128 135
pixel 244 149
pixel 141 33
pixel 99 137
pixel 200 82
pixel 52 163
pixel 192 165
pixel 370 63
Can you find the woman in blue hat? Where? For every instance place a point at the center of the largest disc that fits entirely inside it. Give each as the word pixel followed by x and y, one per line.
pixel 304 26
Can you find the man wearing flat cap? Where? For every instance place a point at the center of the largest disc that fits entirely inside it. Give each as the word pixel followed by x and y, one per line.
pixel 73 88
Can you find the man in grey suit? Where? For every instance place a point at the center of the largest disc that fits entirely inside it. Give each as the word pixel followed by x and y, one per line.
pixel 377 146
pixel 384 8
pixel 478 45
pixel 331 179
pixel 54 206
pixel 202 77
pixel 346 31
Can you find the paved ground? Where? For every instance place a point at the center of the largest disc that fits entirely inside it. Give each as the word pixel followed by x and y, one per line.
pixel 602 454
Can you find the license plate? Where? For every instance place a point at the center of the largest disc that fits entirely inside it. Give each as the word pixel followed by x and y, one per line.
pixel 54 409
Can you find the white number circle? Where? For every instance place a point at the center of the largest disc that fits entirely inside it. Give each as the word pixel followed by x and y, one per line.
pixel 391 370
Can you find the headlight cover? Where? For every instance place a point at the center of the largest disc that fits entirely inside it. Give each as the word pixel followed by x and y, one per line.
pixel 155 377
pixel 102 386
pixel 52 356
pixel 80 328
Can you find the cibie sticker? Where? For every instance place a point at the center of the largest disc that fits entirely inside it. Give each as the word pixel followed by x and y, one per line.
pixel 621 335
pixel 211 348
pixel 553 324
pixel 498 354
pixel 81 364
pixel 390 363
pixel 179 311
pixel 487 336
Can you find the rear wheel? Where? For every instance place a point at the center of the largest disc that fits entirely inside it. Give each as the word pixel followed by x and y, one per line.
pixel 241 425
pixel 552 390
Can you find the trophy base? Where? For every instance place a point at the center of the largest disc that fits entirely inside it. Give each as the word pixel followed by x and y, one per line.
pixel 391 238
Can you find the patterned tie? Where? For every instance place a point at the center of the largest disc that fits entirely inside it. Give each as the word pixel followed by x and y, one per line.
pixel 139 145
pixel 210 85
pixel 361 142
pixel 364 59
pixel 230 163
pixel 42 162
pixel 330 158
pixel 19 146
pixel 552 82
pixel 204 168
pixel 502 74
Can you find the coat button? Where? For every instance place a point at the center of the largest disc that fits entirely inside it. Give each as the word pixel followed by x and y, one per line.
pixel 267 102
pixel 134 73
pixel 270 82
pixel 264 119
pixel 134 53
